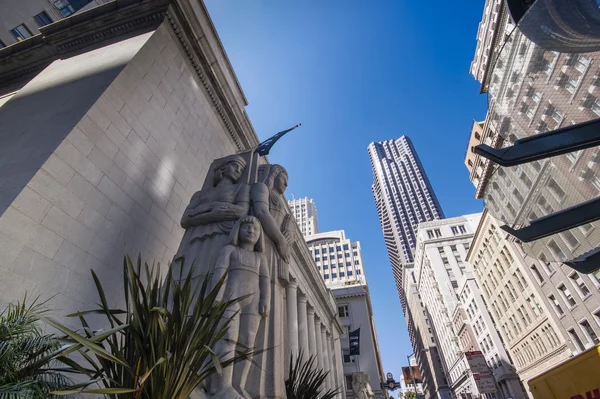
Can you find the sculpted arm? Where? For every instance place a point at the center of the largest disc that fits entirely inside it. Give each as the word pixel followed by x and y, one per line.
pixel 221 266
pixel 260 206
pixel 265 287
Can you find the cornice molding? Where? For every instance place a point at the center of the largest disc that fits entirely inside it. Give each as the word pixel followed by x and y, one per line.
pixel 191 25
pixel 107 23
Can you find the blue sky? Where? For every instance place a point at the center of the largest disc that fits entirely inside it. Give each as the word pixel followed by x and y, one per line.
pixel 354 72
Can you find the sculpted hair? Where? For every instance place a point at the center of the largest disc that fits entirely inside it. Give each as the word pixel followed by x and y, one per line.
pixel 218 170
pixel 235 233
pixel 272 172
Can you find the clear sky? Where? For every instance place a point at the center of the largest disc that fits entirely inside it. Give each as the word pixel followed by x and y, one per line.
pixel 353 72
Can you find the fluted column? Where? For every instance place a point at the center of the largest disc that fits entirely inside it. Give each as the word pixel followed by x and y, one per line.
pixel 326 359
pixel 319 343
pixel 312 343
pixel 303 326
pixel 332 362
pixel 291 346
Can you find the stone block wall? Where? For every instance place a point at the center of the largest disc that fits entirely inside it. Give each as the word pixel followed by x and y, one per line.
pixel 113 177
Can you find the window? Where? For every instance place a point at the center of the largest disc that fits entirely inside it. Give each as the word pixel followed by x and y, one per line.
pixel 438 233
pixel 42 19
pixel 454 230
pixel 348 359
pixel 317 251
pixel 346 248
pixel 567 295
pixel 358 271
pixel 21 32
pixel 342 274
pixel 558 253
pixel 579 284
pixel 343 311
pixel 349 273
pixel 2 45
pixel 557 308
pixel 547 265
pixel 430 234
pixel 333 275
pixel 348 382
pixel 570 239
pixel 536 274
pixel 556 190
pixel 589 331
pixel 462 229
pixel 575 339
pixel 326 276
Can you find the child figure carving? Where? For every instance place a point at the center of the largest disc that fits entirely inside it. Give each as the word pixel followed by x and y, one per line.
pixel 247 272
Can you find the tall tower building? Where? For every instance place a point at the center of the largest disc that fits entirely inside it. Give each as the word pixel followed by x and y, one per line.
pixel 305 212
pixel 404 198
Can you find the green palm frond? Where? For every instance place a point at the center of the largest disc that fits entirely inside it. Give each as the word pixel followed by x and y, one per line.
pixel 163 343
pixel 27 356
pixel 306 380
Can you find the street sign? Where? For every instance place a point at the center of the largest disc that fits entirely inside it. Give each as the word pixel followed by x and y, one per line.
pixel 390 384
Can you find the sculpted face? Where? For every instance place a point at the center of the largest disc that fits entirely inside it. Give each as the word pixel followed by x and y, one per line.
pixel 233 170
pixel 281 182
pixel 250 232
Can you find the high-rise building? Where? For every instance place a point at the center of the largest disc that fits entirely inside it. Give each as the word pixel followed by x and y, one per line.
pixel 305 213
pixel 533 91
pixel 339 261
pixel 404 198
pixel 526 311
pixel 337 258
pixel 461 323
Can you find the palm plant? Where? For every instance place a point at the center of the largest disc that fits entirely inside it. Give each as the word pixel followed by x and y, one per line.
pixel 28 365
pixel 306 381
pixel 166 349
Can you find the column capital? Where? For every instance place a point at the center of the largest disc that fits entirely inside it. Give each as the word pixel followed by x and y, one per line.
pixel 323 328
pixel 302 298
pixel 293 284
pixel 310 310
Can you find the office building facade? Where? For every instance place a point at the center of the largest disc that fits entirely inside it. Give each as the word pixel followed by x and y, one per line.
pixel 459 317
pixel 526 307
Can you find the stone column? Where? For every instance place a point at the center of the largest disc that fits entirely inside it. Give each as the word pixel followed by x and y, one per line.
pixel 291 345
pixel 312 343
pixel 319 343
pixel 326 356
pixel 332 362
pixel 303 327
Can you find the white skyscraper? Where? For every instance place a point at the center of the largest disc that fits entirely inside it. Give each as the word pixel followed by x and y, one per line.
pixel 305 212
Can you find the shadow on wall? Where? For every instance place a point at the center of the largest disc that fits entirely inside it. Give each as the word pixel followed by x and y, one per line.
pixel 36 120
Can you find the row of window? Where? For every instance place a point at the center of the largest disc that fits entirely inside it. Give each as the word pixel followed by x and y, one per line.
pixel 537 346
pixel 342 274
pixel 341 265
pixel 22 32
pixel 337 248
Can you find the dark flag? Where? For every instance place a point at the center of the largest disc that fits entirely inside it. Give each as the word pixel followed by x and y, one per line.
pixel 354 337
pixel 264 147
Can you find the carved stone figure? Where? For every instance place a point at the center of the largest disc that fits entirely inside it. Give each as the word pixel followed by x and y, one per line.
pixel 210 215
pixel 361 387
pixel 269 206
pixel 247 275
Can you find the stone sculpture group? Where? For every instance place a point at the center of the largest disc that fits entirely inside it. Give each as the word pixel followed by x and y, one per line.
pixel 239 224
